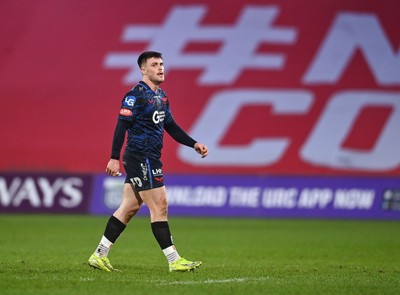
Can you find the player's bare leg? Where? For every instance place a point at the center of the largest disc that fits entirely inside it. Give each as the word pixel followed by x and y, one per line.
pixel 130 204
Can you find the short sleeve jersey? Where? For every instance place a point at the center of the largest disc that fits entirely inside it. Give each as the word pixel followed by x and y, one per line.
pixel 148 112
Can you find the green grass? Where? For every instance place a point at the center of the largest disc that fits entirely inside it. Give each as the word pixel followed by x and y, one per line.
pixel 47 254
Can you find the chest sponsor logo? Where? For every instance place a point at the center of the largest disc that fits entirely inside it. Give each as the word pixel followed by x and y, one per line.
pixel 158 116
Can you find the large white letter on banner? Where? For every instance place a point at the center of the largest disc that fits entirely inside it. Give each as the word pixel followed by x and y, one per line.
pixel 219 115
pixel 349 33
pixel 323 147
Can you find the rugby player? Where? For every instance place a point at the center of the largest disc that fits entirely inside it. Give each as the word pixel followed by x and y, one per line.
pixel 144 115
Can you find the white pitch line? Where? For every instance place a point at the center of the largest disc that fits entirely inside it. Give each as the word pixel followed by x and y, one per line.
pixel 211 281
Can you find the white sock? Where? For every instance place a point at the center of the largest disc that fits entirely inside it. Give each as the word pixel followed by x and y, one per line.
pixel 103 248
pixel 171 254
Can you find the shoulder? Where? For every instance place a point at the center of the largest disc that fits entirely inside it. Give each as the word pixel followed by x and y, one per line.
pixel 133 96
pixel 137 91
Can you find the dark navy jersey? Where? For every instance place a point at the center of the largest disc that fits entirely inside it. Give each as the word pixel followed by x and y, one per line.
pixel 148 113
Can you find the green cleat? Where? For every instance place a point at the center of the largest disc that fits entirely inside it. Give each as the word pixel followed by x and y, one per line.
pixel 101 263
pixel 184 265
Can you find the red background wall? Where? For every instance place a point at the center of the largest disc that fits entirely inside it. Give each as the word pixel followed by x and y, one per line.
pixel 59 102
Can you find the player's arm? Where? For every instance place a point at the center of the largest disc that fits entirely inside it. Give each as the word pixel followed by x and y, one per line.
pixel 179 135
pixel 118 140
pixel 119 137
pixel 125 119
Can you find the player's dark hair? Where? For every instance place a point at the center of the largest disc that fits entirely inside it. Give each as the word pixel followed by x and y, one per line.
pixel 146 55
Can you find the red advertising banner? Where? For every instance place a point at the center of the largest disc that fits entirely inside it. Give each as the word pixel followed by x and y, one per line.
pixel 272 87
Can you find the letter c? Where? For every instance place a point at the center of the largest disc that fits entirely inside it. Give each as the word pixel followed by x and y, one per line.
pixel 223 109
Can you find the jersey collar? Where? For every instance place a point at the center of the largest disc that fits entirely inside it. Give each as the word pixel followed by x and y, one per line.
pixel 147 87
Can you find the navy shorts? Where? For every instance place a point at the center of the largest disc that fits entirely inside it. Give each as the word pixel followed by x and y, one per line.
pixel 144 173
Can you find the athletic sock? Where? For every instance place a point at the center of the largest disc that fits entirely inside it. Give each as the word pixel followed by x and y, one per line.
pixel 171 254
pixel 163 236
pixel 103 248
pixel 113 230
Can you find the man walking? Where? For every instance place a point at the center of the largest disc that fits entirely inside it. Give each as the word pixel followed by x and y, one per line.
pixel 144 115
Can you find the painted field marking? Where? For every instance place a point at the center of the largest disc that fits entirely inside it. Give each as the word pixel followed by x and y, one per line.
pixel 211 281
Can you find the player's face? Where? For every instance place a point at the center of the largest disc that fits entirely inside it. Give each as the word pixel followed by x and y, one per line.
pixel 153 70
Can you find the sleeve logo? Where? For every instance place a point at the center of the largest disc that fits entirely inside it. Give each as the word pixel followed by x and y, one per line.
pixel 129 101
pixel 125 112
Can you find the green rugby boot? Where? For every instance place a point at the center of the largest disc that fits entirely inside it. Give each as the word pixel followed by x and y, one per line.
pixel 184 265
pixel 101 263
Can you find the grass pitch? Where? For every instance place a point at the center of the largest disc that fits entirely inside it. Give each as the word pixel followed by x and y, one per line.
pixel 47 254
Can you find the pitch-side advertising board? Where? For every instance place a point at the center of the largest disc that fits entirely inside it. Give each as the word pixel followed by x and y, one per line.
pixel 264 196
pixel 210 195
pixel 45 193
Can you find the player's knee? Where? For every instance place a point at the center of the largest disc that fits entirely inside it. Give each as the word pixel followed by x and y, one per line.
pixel 163 207
pixel 163 212
pixel 133 210
pixel 128 213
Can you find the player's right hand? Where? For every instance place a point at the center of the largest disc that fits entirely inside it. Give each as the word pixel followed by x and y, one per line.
pixel 113 168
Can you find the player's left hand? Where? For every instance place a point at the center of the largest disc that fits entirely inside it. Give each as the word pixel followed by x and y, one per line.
pixel 201 149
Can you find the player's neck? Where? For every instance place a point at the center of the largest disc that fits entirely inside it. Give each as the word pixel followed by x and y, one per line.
pixel 152 85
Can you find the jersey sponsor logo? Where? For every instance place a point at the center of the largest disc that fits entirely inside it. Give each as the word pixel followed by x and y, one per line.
pixel 158 116
pixel 164 99
pixel 125 112
pixel 150 101
pixel 129 101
